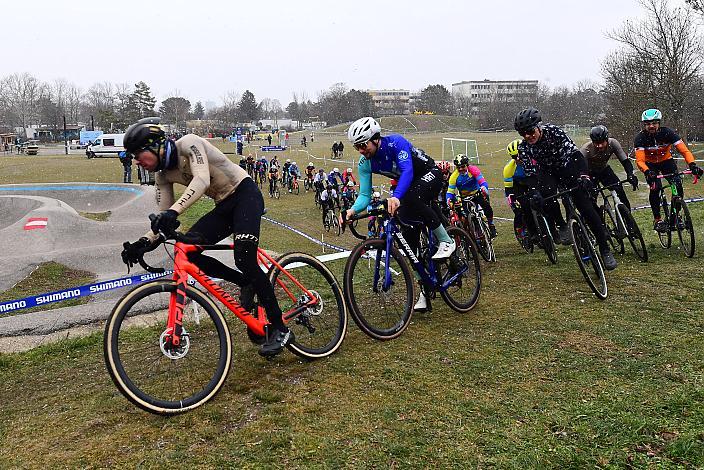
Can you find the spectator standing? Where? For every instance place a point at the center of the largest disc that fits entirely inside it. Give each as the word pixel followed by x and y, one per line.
pixel 268 138
pixel 126 160
pixel 334 149
pixel 303 141
pixel 239 147
pixel 340 148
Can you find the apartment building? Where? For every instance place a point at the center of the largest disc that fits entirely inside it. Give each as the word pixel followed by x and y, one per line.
pixel 390 102
pixel 476 93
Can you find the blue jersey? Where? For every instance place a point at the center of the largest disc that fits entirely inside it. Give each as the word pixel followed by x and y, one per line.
pixel 333 177
pixel 395 158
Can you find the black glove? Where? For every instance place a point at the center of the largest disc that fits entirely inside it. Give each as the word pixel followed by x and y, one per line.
pixel 133 251
pixel 587 185
pixel 165 221
pixel 651 177
pixel 696 171
pixel 536 200
pixel 633 179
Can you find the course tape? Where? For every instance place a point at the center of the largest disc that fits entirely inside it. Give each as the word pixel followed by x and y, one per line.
pixel 76 292
pixel 304 235
pixel 90 289
pixel 690 200
pixel 71 188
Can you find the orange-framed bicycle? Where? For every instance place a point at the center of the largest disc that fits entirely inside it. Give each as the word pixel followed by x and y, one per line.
pixel 167 345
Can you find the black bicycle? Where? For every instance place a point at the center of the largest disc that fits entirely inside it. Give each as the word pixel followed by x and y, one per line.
pixel 676 216
pixel 543 235
pixel 619 222
pixel 583 240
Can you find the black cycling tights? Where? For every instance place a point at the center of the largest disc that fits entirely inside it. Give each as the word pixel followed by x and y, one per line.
pixel 568 177
pixel 666 167
pixel 239 214
pixel 415 205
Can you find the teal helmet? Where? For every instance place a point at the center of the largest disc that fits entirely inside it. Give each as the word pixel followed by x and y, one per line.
pixel 651 115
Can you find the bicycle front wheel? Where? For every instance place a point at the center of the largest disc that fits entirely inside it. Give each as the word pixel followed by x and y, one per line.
pixel 381 311
pixel 635 237
pixel 685 228
pixel 588 259
pixel 462 293
pixel 158 378
pixel 666 235
pixel 312 304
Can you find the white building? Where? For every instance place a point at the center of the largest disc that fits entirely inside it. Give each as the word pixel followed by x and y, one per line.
pixel 486 91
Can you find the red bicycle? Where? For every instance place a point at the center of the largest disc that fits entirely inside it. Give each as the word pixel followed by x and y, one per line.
pixel 167 345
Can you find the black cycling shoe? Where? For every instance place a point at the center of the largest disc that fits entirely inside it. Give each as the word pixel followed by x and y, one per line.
pixel 660 226
pixel 610 262
pixel 275 342
pixel 247 297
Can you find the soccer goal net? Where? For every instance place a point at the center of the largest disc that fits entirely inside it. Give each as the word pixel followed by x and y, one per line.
pixel 452 147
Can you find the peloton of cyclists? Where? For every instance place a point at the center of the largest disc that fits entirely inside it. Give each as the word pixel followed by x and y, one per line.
pixel 556 160
pixel 653 145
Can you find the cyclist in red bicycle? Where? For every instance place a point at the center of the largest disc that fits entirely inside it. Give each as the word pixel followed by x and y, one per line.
pixel 653 147
pixel 195 163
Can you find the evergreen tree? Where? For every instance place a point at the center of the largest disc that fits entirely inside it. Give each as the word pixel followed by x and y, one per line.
pixel 198 111
pixel 144 100
pixel 247 107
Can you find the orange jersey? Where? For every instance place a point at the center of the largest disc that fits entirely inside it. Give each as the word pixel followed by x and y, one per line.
pixel 656 148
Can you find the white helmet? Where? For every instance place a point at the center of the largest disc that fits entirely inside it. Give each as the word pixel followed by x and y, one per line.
pixel 293 163
pixel 288 160
pixel 336 170
pixel 349 170
pixel 310 164
pixel 362 130
pixel 350 183
pixel 376 195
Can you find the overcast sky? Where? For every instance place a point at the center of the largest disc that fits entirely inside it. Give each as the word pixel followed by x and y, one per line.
pixel 204 49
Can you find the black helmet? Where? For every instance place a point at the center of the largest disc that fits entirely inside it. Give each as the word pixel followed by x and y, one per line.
pixel 145 133
pixel 527 119
pixel 599 134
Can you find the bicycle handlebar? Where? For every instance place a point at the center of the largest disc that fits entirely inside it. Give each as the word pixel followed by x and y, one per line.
pixel 681 173
pixel 379 210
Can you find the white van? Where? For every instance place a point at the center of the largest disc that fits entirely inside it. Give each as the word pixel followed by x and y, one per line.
pixel 106 145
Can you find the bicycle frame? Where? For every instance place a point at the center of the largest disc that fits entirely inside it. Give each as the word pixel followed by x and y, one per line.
pixel 183 267
pixel 428 276
pixel 613 196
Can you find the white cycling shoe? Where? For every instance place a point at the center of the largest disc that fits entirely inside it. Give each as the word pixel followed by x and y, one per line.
pixel 422 304
pixel 444 250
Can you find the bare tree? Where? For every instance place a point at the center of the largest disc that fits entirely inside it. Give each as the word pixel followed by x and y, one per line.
pixel 663 54
pixel 21 92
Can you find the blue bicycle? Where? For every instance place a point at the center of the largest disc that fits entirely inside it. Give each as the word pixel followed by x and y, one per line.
pixel 378 283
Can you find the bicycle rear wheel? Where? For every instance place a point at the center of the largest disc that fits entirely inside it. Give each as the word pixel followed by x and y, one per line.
pixel 462 294
pixel 381 314
pixel 612 231
pixel 318 328
pixel 146 371
pixel 635 237
pixel 481 238
pixel 524 239
pixel 666 236
pixel 588 259
pixel 685 228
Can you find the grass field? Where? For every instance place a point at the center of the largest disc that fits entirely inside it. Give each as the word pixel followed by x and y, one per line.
pixel 540 374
